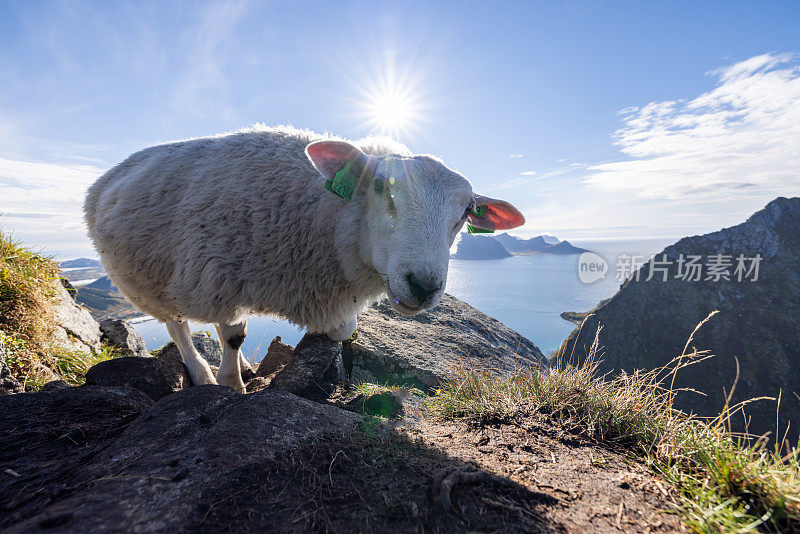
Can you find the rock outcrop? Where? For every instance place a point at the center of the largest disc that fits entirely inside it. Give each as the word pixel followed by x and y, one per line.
pixel 156 377
pixel 121 334
pixel 647 323
pixel 421 350
pixel 106 459
pixel 207 346
pixel 75 327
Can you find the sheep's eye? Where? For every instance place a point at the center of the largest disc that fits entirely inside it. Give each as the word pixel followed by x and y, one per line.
pixel 470 208
pixel 379 185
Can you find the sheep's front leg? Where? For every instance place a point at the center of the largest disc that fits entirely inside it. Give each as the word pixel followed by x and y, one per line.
pixel 231 337
pixel 198 368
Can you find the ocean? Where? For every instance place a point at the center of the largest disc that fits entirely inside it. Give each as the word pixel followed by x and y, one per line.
pixel 526 293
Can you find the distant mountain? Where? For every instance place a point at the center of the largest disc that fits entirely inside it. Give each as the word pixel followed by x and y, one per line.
pixel 564 248
pixel 83 263
pixel 537 245
pixel 106 303
pixel 103 283
pixel 475 247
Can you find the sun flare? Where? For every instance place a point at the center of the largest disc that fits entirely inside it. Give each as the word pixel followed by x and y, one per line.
pixel 392 100
pixel 391 112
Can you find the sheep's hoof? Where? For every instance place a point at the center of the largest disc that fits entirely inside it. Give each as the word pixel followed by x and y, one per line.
pixel 202 379
pixel 233 381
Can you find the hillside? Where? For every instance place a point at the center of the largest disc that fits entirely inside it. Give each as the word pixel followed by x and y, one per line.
pixel 472 430
pixel 753 337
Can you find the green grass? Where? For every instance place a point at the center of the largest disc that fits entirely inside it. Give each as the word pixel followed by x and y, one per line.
pixel 723 485
pixel 27 290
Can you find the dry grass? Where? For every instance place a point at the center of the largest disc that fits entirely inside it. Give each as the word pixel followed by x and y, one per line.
pixel 27 289
pixel 723 484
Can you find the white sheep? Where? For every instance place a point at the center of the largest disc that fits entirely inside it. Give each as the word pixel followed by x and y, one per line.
pixel 216 228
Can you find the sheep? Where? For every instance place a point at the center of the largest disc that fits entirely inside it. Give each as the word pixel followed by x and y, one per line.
pixel 282 222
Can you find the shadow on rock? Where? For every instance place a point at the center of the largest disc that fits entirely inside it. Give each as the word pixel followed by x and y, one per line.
pixel 207 459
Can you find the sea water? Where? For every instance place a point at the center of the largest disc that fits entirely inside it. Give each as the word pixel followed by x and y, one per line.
pixel 526 293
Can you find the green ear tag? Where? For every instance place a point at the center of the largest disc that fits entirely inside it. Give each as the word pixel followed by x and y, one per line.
pixel 479 211
pixel 343 183
pixel 475 230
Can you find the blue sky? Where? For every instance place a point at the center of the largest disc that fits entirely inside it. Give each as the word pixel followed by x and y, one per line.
pixel 624 119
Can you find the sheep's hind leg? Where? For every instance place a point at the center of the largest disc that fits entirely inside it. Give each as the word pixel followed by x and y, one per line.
pixel 231 337
pixel 198 368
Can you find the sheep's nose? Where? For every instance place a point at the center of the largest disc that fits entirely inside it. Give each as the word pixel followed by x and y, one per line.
pixel 422 288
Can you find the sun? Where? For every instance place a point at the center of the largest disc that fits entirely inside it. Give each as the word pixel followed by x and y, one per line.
pixel 391 112
pixel 391 100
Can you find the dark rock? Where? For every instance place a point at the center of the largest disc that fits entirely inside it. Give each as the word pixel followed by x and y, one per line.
pixel 647 323
pixel 120 334
pixel 8 384
pixel 155 377
pixel 257 384
pixel 48 438
pixel 53 385
pixel 421 350
pixel 207 346
pixel 313 369
pixel 163 471
pixel 277 356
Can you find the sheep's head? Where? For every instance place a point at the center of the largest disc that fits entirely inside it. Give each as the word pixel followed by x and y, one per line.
pixel 412 209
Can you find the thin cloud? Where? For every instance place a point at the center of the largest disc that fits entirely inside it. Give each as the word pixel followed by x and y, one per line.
pixel 35 192
pixel 528 173
pixel 515 156
pixel 740 136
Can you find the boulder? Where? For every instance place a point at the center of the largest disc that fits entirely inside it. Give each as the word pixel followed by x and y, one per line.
pixel 163 471
pixel 155 377
pixel 313 370
pixel 647 323
pixel 75 327
pixel 207 346
pixel 120 334
pixel 278 355
pixel 421 350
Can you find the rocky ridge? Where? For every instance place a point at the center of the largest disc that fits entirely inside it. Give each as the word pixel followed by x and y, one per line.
pixel 647 323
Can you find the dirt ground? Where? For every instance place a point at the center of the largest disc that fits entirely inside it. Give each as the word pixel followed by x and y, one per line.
pixel 525 475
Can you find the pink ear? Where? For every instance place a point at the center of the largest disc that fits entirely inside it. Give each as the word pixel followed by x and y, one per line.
pixel 493 214
pixel 330 156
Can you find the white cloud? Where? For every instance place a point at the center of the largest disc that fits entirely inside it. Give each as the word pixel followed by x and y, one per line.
pixel 742 136
pixel 528 173
pixel 515 156
pixel 41 204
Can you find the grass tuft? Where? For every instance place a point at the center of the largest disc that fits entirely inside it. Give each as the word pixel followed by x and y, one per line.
pixel 724 482
pixel 27 289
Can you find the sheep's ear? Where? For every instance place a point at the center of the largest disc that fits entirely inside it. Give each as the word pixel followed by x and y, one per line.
pixel 492 214
pixel 330 157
